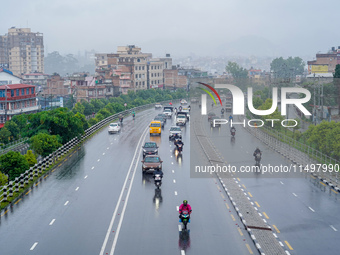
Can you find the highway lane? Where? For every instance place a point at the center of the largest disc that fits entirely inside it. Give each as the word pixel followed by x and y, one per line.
pixel 77 198
pixel 155 230
pixel 303 210
pixel 70 211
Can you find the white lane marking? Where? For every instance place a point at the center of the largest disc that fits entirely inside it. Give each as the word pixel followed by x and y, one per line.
pixel 107 148
pixel 120 197
pixel 173 171
pixel 92 167
pixel 281 182
pixel 174 181
pixel 98 160
pixel 171 156
pixel 103 153
pixel 175 193
pixel 127 197
pixel 177 207
pixel 66 203
pixel 247 151
pixel 85 177
pixel 333 228
pixel 172 163
pixel 182 252
pixel 310 208
pixel 170 150
pixel 33 246
pixel 294 194
pixel 111 143
pixel 52 221
pixel 77 188
pixel 179 228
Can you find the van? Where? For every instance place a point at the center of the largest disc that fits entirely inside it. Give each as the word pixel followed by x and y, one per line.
pixel 155 127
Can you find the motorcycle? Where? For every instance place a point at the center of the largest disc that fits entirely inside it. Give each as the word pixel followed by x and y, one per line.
pixel 232 132
pixel 184 218
pixel 179 148
pixel 121 120
pixel 257 159
pixel 133 116
pixel 158 180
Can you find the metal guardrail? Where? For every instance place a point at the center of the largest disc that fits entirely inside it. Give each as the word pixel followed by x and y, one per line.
pixel 8 147
pixel 38 169
pixel 310 159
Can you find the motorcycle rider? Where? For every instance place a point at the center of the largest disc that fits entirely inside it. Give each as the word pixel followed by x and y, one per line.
pixel 233 129
pixel 257 151
pixel 133 114
pixel 157 171
pixel 178 142
pixel 230 118
pixel 121 118
pixel 184 207
pixel 222 111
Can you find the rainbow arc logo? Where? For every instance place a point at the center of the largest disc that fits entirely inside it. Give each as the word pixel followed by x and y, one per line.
pixel 204 97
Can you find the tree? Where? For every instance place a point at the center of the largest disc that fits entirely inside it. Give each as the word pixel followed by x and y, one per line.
pixel 287 68
pixel 239 74
pixel 44 144
pixel 336 81
pixel 79 107
pixel 3 179
pixel 13 164
pixel 5 135
pixel 13 128
pixel 30 157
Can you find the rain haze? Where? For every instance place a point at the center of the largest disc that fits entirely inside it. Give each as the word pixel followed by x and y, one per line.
pixel 215 28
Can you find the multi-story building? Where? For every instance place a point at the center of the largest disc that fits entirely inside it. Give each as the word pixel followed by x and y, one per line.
pixel 36 78
pixel 172 80
pixel 325 62
pixel 16 99
pixel 7 77
pixel 55 86
pixel 22 51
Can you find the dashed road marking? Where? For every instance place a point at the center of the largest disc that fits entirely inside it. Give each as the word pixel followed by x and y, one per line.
pixel 222 196
pixel 103 153
pixel 249 249
pixel 334 191
pixel 310 208
pixel 33 246
pixel 175 193
pixel 265 215
pixel 173 171
pixel 52 221
pixel 177 208
pixel 333 228
pixel 277 230
pixel 294 195
pixel 288 245
pixel 227 205
pixel 232 216
pixel 85 177
pixel 66 203
pixel 98 160
pixel 323 184
pixel 182 252
pixel 250 194
pixel 244 186
pixel 239 230
pixel 257 204
pixel 77 188
pixel 92 167
pixel 174 181
pixel 180 228
pixel 281 182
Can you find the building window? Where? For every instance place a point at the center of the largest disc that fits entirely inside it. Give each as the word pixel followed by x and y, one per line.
pixel 100 92
pixel 142 67
pixel 90 93
pixel 12 93
pixel 143 83
pixel 27 91
pixel 2 93
pixel 136 68
pixel 138 60
pixel 136 76
pixel 140 75
pixel 22 104
pixel 22 92
pixel 32 90
pixel 2 106
pixel 17 105
pixel 136 83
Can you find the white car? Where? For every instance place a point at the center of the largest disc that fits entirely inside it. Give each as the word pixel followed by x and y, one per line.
pixel 181 120
pixel 187 111
pixel 114 128
pixel 158 106
pixel 167 113
pixel 175 130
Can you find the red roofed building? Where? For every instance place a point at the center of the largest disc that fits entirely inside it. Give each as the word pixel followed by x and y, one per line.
pixel 16 99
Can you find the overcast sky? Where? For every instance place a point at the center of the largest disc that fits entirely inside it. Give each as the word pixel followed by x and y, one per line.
pixel 180 27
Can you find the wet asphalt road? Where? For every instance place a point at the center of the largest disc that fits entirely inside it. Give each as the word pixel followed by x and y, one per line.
pixel 302 211
pixel 101 203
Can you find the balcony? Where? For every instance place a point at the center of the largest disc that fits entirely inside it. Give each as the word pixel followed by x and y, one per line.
pixel 19 111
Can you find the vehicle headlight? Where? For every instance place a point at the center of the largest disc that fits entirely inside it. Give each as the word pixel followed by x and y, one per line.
pixel 160 165
pixel 155 150
pixel 144 150
pixel 143 166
